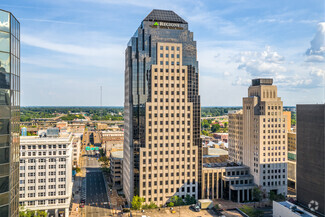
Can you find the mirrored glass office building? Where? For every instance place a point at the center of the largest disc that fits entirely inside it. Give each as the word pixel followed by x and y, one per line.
pixel 9 113
pixel 162 148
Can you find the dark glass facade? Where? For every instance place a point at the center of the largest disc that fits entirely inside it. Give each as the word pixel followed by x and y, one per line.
pixel 9 113
pixel 311 157
pixel 140 55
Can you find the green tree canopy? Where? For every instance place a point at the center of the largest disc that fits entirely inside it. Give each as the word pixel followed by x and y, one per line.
pixel 137 202
pixel 189 200
pixel 178 201
pixel 215 128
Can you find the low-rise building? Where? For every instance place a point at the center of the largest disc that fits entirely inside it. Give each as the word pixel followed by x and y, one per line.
pixel 62 124
pixel 223 137
pixel 101 126
pixel 116 164
pixel 76 128
pixel 227 181
pixel 45 174
pixel 287 209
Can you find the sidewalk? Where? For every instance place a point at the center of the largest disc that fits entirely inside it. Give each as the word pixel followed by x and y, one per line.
pixel 76 200
pixel 76 210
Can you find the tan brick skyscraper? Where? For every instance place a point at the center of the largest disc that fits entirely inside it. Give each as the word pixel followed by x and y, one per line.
pixel 264 136
pixel 162 148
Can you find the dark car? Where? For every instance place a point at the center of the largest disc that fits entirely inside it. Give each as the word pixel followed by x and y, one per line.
pixel 195 207
pixel 82 203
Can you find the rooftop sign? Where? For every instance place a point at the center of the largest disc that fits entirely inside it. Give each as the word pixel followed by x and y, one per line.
pixel 166 25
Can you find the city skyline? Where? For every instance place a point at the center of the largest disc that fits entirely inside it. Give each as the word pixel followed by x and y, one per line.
pixel 236 42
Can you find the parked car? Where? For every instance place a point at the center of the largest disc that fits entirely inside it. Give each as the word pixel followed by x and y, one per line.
pixel 82 203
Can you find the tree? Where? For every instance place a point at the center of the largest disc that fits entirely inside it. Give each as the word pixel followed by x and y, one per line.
pixel 205 124
pixel 226 124
pixel 276 197
pixel 189 200
pixel 78 169
pixel 215 128
pixel 178 201
pixel 137 202
pixel 205 132
pixel 170 204
pixel 32 213
pixel 257 194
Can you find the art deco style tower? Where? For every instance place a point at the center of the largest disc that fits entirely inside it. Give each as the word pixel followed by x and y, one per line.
pixel 162 148
pixel 261 126
pixel 9 113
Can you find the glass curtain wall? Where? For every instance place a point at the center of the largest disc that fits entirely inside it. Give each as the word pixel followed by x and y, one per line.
pixel 9 113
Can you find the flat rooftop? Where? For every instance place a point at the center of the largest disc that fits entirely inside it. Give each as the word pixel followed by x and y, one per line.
pixel 117 154
pixel 296 209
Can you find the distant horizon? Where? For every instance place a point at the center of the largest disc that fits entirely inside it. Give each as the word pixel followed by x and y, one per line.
pixel 123 106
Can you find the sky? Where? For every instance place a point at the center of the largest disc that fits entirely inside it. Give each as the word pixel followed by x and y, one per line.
pixel 69 48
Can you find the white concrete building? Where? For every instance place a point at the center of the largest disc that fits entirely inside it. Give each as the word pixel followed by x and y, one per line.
pixel 46 174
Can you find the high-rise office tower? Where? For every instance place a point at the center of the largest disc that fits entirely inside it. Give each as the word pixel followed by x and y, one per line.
pixel 9 113
pixel 310 157
pixel 262 127
pixel 162 148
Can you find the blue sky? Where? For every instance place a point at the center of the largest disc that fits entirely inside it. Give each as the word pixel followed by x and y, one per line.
pixel 69 48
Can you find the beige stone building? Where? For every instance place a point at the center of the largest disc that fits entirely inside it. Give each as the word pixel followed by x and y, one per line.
pixel 235 137
pixel 287 115
pixel 264 137
pixel 292 141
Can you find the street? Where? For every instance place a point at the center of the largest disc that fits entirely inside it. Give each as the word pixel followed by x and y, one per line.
pixel 96 195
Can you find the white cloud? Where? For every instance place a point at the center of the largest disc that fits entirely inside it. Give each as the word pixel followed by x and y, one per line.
pixel 316 52
pixel 318 72
pixel 261 64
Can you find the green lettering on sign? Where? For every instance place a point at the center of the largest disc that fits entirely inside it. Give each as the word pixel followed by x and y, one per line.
pixel 92 148
pixel 87 148
pixel 156 24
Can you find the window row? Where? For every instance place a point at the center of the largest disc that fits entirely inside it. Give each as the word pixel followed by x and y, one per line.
pixel 171 70
pixel 41 202
pixel 171 55
pixel 167 182
pixel 161 145
pixel 42 160
pixel 42 146
pixel 171 48
pixel 34 153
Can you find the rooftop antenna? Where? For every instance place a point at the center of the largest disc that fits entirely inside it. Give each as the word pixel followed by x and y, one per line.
pixel 101 96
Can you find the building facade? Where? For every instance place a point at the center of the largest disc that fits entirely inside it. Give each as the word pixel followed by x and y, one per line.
pixel 264 148
pixel 235 136
pixel 291 141
pixel 46 174
pixel 227 181
pixel 9 113
pixel 311 156
pixel 76 148
pixel 162 148
pixel 116 165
